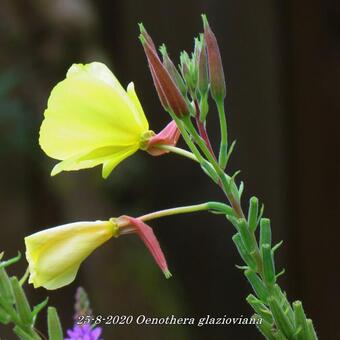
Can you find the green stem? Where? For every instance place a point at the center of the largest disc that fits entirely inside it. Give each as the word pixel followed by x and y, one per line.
pixel 224 183
pixel 186 137
pixel 178 151
pixel 222 159
pixel 175 211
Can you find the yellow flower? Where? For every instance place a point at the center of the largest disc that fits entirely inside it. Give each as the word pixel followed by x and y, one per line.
pixel 91 120
pixel 54 255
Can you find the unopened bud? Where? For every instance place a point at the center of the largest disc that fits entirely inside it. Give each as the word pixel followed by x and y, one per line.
pixel 203 77
pixel 189 71
pixel 217 81
pixel 169 65
pixel 170 96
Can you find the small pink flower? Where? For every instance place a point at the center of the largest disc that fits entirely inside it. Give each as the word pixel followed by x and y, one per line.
pixel 136 225
pixel 168 136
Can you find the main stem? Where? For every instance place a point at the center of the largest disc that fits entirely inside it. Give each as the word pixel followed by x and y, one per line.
pixel 222 159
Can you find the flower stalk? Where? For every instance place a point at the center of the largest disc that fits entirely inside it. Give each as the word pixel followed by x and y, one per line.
pixel 279 319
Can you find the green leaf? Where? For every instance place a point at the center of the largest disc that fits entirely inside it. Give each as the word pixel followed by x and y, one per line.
pixel 252 213
pixel 38 308
pixel 246 257
pixel 240 189
pixel 21 303
pixel 54 327
pixel 23 335
pixel 268 264
pixel 209 170
pixel 280 273
pixel 230 151
pixel 257 284
pixel 284 303
pixel 265 232
pixel 4 316
pixel 277 246
pixel 311 331
pixel 300 320
pixel 7 263
pixel 260 308
pixel 281 319
pixel 220 208
pixel 265 328
pixel 246 235
pixel 6 291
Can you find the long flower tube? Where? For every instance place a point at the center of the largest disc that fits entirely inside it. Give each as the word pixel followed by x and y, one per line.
pixel 55 254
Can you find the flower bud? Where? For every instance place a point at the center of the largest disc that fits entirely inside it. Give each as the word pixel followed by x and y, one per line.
pixel 203 77
pixel 169 94
pixel 189 71
pixel 169 65
pixel 217 81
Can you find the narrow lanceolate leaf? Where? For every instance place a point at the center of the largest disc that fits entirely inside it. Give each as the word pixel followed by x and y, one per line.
pixel 246 257
pixel 38 308
pixel 260 308
pixel 7 263
pixel 247 238
pixel 311 331
pixel 24 335
pixel 265 232
pixel 282 321
pixel 300 320
pixel 4 317
pixel 265 328
pixel 268 264
pixel 252 213
pixel 6 291
pixel 284 303
pixel 54 327
pixel 257 284
pixel 21 304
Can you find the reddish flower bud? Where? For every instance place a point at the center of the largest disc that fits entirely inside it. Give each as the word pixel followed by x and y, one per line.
pixel 166 88
pixel 203 77
pixel 146 36
pixel 169 65
pixel 217 81
pixel 168 136
pixel 148 237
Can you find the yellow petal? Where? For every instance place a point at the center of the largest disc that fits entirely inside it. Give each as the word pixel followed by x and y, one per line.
pixel 109 156
pixel 90 110
pixel 54 255
pixel 141 116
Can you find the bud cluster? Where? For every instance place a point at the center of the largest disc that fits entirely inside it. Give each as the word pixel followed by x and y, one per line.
pixel 198 73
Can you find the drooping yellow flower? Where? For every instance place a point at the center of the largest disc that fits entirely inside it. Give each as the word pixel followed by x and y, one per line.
pixel 54 255
pixel 91 120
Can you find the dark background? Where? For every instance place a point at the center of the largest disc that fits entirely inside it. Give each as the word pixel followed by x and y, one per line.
pixel 282 65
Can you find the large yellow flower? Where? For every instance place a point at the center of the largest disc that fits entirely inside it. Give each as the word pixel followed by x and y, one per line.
pixel 90 120
pixel 54 255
